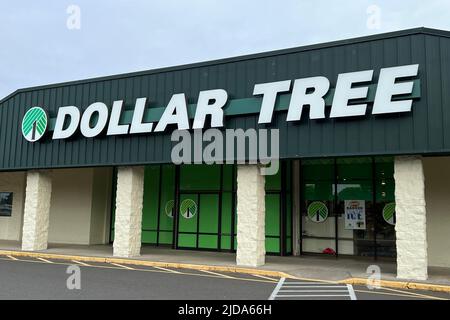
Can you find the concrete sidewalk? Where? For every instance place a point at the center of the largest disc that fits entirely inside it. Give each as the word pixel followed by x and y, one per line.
pixel 306 267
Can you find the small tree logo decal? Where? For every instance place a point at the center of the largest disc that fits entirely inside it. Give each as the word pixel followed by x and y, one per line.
pixel 317 211
pixel 188 208
pixel 34 124
pixel 169 208
pixel 389 213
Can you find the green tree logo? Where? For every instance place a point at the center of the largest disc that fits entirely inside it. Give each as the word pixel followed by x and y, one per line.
pixel 169 208
pixel 188 208
pixel 34 124
pixel 389 213
pixel 317 211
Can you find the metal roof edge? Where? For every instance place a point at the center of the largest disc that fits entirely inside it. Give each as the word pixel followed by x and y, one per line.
pixel 380 36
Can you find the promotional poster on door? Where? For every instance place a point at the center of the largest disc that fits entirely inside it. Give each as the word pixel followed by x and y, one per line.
pixel 355 215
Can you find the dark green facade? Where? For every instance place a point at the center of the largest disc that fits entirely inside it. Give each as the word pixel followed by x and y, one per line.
pixel 425 130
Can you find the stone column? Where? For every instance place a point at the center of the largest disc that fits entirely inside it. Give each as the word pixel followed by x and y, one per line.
pixel 251 244
pixel 36 211
pixel 410 228
pixel 128 214
pixel 296 208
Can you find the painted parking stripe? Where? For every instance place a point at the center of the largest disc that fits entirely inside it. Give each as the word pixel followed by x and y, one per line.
pixel 299 291
pixel 310 296
pixel 311 282
pixel 12 258
pixel 167 270
pixel 122 266
pixel 414 294
pixel 277 288
pixel 116 267
pixel 316 286
pixel 264 277
pixel 217 274
pixel 351 292
pixel 82 263
pixel 45 260
pixel 307 290
pixel 406 294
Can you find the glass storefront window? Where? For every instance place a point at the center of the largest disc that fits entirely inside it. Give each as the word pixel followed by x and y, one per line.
pixel 385 206
pixel 207 208
pixel 317 207
pixel 157 211
pixel 6 200
pixel 278 210
pixel 206 195
pixel 354 183
pixel 348 188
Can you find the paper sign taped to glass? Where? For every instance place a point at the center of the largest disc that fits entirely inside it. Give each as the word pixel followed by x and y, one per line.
pixel 355 214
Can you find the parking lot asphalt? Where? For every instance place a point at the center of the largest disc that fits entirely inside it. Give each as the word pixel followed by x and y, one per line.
pixel 38 278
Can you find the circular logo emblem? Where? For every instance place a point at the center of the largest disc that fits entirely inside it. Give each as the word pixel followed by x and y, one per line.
pixel 168 208
pixel 389 213
pixel 317 211
pixel 34 124
pixel 188 208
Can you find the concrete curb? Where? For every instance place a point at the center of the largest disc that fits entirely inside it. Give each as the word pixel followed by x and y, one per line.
pixel 176 265
pixel 267 273
pixel 400 284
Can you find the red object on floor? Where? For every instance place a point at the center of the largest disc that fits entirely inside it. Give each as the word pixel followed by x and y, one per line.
pixel 329 251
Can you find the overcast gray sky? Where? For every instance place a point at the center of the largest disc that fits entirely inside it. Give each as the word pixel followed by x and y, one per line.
pixel 118 36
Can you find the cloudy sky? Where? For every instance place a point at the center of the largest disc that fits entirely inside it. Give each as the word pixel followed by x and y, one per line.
pixel 50 41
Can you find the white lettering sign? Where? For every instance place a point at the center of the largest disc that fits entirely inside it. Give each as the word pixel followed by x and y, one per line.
pixel 394 82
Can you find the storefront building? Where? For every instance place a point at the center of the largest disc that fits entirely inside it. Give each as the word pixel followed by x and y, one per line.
pixel 364 144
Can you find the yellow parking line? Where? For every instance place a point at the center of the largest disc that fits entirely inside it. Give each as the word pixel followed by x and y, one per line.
pixel 264 277
pixel 238 270
pixel 45 260
pixel 406 294
pixel 167 270
pixel 386 293
pixel 218 274
pixel 82 263
pixel 122 266
pixel 419 295
pixel 12 258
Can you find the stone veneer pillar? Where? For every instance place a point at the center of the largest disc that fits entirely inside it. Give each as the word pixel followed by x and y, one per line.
pixel 36 211
pixel 251 247
pixel 128 214
pixel 410 228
